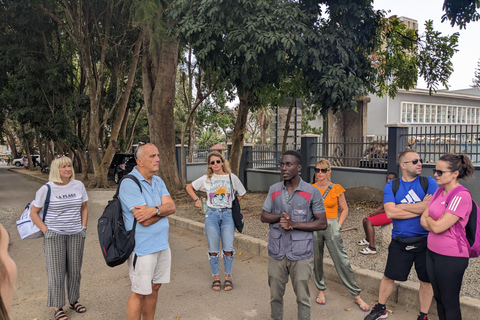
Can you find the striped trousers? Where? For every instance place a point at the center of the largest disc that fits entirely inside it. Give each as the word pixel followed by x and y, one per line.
pixel 63 257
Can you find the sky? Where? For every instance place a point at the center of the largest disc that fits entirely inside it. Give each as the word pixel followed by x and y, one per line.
pixel 465 60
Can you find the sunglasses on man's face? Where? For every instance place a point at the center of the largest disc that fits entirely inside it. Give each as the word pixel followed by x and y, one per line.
pixel 440 172
pixel 414 161
pixel 318 170
pixel 215 161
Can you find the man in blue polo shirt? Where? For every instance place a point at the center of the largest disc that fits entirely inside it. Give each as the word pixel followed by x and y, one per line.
pixel 294 209
pixel 149 264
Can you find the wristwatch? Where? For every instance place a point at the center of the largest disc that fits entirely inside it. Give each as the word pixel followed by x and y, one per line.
pixel 158 212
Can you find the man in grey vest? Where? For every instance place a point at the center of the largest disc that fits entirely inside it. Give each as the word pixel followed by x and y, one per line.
pixel 294 209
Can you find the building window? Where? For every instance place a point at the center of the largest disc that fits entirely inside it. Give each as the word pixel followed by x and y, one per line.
pixel 419 113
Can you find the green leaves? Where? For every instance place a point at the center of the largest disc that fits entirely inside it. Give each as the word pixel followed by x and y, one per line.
pixel 435 63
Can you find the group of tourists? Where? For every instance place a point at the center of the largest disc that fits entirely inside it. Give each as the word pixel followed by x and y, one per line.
pixel 428 233
pixel 302 217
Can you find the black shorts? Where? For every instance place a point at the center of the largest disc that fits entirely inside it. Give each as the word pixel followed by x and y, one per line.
pixel 400 261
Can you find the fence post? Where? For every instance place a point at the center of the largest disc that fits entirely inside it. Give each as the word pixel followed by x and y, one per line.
pixel 397 142
pixel 178 153
pixel 308 151
pixel 246 161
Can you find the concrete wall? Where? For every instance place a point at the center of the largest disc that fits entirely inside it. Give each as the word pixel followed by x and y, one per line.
pixel 195 170
pixel 261 180
pixel 349 178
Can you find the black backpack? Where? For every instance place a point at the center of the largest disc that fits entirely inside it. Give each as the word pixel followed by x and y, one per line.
pixel 396 184
pixel 116 242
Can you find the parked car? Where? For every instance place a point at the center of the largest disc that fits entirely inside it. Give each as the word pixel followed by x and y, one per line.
pixel 19 161
pixel 122 164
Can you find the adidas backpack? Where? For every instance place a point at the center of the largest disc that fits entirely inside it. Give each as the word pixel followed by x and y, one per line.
pixel 471 233
pixel 115 241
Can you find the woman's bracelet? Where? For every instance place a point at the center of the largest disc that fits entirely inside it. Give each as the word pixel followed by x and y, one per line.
pixel 196 200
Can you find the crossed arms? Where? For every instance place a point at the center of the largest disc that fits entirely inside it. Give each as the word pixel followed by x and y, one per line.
pixel 148 215
pixel 406 210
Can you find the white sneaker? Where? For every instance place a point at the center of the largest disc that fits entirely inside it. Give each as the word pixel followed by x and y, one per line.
pixel 367 250
pixel 363 242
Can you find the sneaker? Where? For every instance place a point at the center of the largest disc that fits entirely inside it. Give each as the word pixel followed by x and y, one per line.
pixel 377 313
pixel 363 242
pixel 368 250
pixel 422 317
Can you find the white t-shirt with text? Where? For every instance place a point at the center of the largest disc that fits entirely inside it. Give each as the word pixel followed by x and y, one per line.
pixel 63 214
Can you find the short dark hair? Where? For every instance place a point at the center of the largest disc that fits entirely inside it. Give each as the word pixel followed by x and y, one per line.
pixel 403 153
pixel 293 153
pixel 393 174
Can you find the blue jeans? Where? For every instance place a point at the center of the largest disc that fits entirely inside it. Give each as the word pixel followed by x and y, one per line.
pixel 219 225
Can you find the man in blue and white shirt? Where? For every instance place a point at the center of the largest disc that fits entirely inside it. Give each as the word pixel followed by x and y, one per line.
pixel 150 262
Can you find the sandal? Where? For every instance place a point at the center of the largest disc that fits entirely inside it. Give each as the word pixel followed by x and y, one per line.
pixel 228 285
pixel 78 307
pixel 216 285
pixel 60 315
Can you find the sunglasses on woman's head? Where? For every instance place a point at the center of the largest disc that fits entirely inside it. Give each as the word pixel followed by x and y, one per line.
pixel 318 170
pixel 217 162
pixel 440 172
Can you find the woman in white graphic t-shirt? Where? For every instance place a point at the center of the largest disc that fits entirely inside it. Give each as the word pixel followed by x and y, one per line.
pixel 219 184
pixel 64 230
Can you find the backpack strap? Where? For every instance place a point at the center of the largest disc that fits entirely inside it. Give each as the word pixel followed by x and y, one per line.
pixel 458 226
pixel 395 186
pixel 47 201
pixel 132 177
pixel 424 183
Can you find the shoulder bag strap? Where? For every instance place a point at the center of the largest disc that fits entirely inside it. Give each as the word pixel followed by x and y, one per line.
pixel 47 202
pixel 231 183
pixel 324 195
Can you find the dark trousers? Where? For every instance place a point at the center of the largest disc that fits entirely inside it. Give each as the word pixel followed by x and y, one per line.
pixel 446 275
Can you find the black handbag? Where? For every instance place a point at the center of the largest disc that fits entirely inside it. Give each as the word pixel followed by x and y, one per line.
pixel 236 211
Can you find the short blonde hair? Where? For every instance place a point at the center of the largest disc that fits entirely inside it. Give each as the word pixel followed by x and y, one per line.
pixel 55 166
pixel 324 164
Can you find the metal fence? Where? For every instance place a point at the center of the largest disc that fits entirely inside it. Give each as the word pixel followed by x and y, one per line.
pixel 267 157
pixel 432 142
pixel 200 154
pixel 363 152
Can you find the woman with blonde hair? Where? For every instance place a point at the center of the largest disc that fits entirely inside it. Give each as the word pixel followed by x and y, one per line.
pixel 8 275
pixel 221 186
pixel 333 199
pixel 65 231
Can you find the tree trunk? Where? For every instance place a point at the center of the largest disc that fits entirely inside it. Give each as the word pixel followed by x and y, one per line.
pixel 191 140
pixel 129 142
pixel 287 126
pixel 239 133
pixel 158 77
pixel 263 121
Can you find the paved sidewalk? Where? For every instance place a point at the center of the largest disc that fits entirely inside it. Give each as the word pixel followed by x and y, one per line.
pixel 191 280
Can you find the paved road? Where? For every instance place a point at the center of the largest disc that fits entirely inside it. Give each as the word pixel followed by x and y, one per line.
pixel 105 290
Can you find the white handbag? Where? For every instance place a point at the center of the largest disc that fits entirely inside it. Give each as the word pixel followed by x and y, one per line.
pixel 26 228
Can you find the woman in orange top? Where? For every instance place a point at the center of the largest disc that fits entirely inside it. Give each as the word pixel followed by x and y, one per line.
pixel 333 198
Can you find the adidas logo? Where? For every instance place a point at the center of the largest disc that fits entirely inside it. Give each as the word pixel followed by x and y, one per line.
pixel 411 197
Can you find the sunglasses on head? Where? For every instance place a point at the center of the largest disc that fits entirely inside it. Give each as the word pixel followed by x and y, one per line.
pixel 318 170
pixel 215 161
pixel 440 172
pixel 414 161
pixel 138 147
